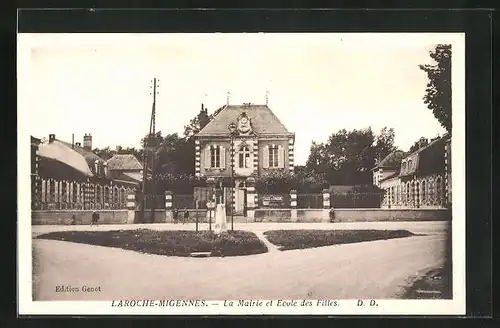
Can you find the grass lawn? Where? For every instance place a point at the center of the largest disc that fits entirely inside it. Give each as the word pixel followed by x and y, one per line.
pixel 170 243
pixel 300 239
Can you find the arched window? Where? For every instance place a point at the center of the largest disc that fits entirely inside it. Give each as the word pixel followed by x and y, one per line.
pixel 439 190
pixel 423 192
pixel 106 194
pixel 408 192
pixel 244 157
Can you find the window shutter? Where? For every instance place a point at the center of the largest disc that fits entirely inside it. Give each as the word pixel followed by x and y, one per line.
pixel 207 158
pixel 265 157
pixel 222 157
pixel 281 157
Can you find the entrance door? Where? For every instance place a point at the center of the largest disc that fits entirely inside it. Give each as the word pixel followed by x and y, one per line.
pixel 240 200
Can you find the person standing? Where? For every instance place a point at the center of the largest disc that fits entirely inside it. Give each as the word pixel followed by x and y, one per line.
pixel 186 215
pixel 175 215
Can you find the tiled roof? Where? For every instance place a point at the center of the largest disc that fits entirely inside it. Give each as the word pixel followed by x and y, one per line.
pixel 263 121
pixel 393 160
pixel 124 162
pixel 59 151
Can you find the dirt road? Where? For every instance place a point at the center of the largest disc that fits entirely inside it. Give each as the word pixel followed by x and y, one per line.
pixel 377 269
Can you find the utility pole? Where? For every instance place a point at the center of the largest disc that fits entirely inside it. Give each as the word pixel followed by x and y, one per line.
pixel 149 143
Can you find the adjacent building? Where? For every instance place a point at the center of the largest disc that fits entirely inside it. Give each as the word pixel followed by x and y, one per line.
pixel 421 179
pixel 125 168
pixel 243 141
pixel 68 176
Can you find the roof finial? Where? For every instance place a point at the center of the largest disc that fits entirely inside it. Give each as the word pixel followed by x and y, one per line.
pixel 228 96
pixel 267 97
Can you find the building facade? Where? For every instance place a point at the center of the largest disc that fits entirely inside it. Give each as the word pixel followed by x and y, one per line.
pixel 68 176
pixel 421 179
pixel 241 142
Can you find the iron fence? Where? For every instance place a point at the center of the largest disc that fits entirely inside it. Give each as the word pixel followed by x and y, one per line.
pixel 356 200
pixel 309 200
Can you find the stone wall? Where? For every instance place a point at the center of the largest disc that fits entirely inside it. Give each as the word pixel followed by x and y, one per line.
pixel 351 215
pixel 376 214
pixel 57 217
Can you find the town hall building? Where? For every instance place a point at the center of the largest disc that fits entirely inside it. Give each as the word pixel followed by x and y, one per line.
pixel 243 141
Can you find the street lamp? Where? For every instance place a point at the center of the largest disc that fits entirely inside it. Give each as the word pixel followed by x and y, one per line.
pixel 232 129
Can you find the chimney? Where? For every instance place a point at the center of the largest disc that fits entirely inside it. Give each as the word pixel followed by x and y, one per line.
pixel 78 144
pixel 52 137
pixel 87 141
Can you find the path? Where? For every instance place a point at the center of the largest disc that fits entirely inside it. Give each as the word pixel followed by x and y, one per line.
pixel 378 269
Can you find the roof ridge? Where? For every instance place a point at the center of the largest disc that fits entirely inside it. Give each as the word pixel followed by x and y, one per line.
pixel 226 106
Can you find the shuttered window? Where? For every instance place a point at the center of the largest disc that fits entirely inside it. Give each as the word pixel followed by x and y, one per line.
pixel 273 156
pixel 215 157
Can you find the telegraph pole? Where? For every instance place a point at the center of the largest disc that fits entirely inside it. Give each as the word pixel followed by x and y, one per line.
pixel 147 147
pixel 152 134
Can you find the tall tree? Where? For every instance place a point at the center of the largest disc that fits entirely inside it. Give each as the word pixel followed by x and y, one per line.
pixel 200 121
pixel 438 92
pixel 348 156
pixel 384 143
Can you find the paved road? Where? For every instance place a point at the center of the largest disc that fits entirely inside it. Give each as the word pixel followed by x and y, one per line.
pixel 377 269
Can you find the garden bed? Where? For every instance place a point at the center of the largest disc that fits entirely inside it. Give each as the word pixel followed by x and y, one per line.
pixel 301 239
pixel 169 243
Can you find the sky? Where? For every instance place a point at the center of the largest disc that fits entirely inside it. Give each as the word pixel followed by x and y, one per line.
pixel 317 83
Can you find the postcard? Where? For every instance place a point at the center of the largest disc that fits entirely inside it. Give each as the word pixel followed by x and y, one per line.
pixel 241 174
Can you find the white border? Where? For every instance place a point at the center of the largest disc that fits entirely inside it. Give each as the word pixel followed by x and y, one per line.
pixel 347 307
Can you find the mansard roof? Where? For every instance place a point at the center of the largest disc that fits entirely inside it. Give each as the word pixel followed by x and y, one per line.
pixel 263 121
pixel 426 160
pixel 391 161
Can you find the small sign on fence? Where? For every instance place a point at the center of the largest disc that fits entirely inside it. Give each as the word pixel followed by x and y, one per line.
pixel 272 200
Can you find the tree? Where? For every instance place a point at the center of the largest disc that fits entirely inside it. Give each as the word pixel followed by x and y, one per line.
pixel 348 156
pixel 438 92
pixel 104 153
pixel 200 121
pixel 384 143
pixel 176 155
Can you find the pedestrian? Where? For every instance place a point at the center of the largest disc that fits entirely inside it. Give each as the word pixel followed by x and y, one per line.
pixel 175 215
pixel 186 215
pixel 95 218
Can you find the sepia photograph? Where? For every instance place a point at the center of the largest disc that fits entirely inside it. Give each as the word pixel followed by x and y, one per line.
pixel 245 173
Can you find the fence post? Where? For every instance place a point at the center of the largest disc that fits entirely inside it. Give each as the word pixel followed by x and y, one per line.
pixel 250 199
pixel 293 205
pixel 168 206
pixel 326 206
pixel 131 207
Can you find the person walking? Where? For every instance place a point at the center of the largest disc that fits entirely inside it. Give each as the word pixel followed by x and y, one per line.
pixel 175 215
pixel 95 218
pixel 186 216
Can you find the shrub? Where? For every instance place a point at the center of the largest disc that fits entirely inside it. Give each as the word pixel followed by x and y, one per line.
pixel 282 181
